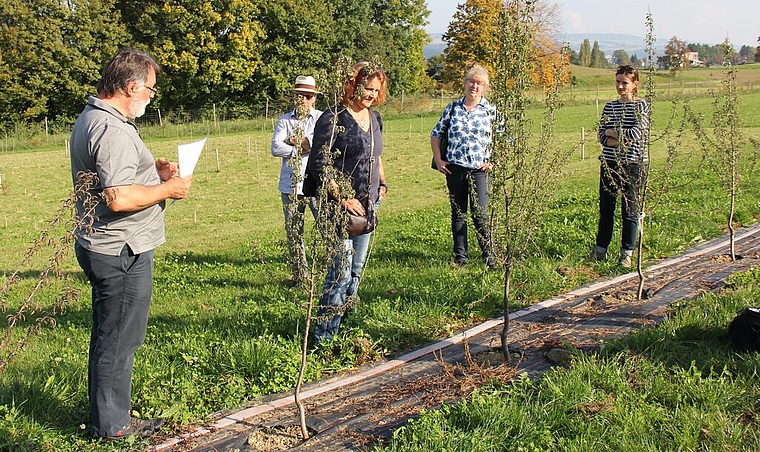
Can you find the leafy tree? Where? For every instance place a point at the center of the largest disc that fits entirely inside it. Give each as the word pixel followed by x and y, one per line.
pixel 674 58
pixel 526 168
pixel 575 58
pixel 620 57
pixel 249 50
pixel 598 60
pixel 396 37
pixel 547 57
pixel 209 51
pixel 744 52
pixel 239 52
pixel 757 51
pixel 585 53
pixel 472 36
pixel 389 31
pixel 723 144
pixel 51 53
pixel 548 53
pixel 635 61
pixel 297 42
pixel 433 64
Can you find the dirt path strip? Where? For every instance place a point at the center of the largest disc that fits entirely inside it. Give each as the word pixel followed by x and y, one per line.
pixel 351 410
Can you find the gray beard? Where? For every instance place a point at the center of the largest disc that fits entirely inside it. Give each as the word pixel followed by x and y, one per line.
pixel 137 108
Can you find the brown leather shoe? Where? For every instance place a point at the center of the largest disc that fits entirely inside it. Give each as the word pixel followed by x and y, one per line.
pixel 136 427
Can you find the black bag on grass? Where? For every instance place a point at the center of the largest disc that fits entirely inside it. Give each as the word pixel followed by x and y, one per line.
pixel 744 329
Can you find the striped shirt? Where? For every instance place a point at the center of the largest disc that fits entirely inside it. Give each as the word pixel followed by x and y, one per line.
pixel 631 120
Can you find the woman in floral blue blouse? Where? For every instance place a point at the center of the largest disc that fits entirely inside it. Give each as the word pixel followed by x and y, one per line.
pixel 466 126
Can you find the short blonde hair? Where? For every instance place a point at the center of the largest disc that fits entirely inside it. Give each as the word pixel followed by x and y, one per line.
pixel 477 71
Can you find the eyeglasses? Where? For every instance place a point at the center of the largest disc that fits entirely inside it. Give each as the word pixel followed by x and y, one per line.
pixel 476 82
pixel 152 89
pixel 305 96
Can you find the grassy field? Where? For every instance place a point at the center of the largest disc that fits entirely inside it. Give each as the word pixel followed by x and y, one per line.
pixel 224 329
pixel 676 387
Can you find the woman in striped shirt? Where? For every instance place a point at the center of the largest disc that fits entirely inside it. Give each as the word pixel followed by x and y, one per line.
pixel 623 134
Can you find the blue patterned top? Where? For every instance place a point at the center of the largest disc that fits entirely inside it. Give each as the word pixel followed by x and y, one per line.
pixel 469 133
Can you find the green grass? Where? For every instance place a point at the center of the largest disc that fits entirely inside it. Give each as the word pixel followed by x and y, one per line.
pixel 676 387
pixel 224 329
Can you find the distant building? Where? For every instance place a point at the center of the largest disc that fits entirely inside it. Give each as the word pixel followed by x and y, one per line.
pixel 693 58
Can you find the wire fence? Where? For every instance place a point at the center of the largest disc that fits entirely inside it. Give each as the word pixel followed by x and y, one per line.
pixel 30 137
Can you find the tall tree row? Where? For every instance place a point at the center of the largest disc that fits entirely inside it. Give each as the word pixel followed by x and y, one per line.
pixel 588 56
pixel 240 53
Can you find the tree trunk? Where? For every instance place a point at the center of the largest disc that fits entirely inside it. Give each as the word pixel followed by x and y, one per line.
pixel 505 327
pixel 731 211
pixel 304 357
pixel 640 291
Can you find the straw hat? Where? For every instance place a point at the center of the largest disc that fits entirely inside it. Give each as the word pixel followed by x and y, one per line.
pixel 305 84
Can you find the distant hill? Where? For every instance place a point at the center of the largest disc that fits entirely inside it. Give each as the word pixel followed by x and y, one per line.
pixel 608 43
pixel 435 47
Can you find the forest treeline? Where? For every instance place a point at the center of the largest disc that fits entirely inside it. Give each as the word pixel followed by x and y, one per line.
pixel 239 54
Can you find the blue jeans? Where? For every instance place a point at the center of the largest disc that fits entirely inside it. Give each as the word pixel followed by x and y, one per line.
pixel 342 281
pixel 468 188
pixel 628 179
pixel 294 231
pixel 121 291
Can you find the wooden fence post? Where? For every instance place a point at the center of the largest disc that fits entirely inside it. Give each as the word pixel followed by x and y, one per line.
pixel 583 143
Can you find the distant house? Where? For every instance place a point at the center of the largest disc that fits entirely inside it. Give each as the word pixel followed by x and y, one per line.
pixel 693 58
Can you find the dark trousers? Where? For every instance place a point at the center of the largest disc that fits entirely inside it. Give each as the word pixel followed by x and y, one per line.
pixel 468 190
pixel 627 179
pixel 121 290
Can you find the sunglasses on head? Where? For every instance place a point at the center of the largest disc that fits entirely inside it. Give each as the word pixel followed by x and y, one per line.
pixel 626 69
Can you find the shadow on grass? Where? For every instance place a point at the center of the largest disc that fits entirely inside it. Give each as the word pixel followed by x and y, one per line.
pixel 35 274
pixel 42 401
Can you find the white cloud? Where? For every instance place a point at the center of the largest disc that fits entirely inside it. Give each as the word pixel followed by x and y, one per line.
pixel 573 22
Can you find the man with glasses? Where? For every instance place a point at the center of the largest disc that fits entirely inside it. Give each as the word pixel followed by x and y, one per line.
pixel 292 143
pixel 115 243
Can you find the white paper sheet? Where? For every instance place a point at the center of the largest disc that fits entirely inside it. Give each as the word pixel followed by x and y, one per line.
pixel 188 155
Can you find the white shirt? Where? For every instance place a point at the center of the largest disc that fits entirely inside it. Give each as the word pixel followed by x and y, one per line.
pixel 284 128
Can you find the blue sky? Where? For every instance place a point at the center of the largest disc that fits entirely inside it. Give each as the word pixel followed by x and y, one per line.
pixel 694 21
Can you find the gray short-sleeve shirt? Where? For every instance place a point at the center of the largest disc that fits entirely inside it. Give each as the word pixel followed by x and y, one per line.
pixel 105 142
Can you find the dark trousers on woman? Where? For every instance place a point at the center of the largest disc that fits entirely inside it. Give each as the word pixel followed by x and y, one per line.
pixel 628 179
pixel 121 290
pixel 468 188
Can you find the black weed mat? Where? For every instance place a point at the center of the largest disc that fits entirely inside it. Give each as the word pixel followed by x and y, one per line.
pixel 358 415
